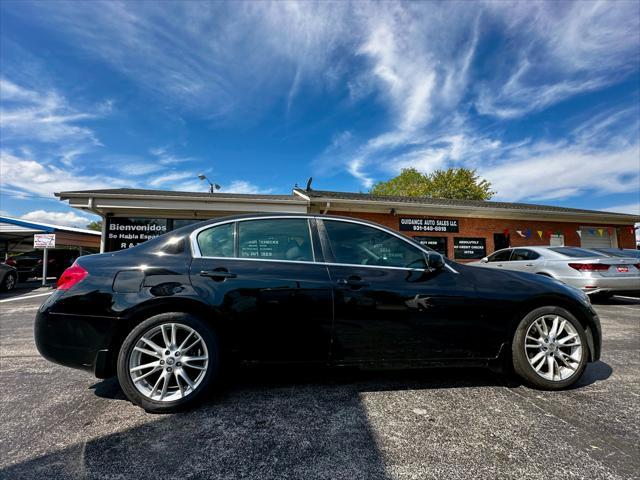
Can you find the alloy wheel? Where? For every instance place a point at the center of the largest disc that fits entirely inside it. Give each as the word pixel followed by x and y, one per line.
pixel 553 347
pixel 168 362
pixel 10 282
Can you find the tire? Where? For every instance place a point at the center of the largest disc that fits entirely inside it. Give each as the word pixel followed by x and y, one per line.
pixel 9 282
pixel 532 349
pixel 168 365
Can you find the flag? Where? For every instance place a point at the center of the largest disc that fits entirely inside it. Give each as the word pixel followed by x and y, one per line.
pixel 579 232
pixel 540 234
pixel 600 231
pixel 519 232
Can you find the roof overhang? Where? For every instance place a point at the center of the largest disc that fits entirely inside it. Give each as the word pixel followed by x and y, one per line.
pixel 204 206
pixel 322 204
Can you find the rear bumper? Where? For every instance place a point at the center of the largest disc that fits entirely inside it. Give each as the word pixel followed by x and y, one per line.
pixel 81 342
pixel 595 284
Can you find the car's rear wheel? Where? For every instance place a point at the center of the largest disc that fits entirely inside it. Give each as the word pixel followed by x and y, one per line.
pixel 9 282
pixel 168 362
pixel 550 349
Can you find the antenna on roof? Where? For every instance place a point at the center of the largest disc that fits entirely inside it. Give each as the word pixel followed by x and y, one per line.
pixel 309 183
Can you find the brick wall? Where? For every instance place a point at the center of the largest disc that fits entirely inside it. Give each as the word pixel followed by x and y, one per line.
pixel 486 227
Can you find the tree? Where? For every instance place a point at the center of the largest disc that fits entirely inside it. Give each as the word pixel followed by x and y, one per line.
pixel 458 183
pixel 95 225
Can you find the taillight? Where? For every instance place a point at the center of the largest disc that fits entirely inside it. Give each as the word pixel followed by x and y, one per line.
pixel 589 267
pixel 11 261
pixel 71 276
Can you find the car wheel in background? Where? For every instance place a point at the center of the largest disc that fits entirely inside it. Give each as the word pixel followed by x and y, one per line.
pixel 9 282
pixel 168 362
pixel 549 348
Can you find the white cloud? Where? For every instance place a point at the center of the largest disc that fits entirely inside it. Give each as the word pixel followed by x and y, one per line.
pixel 242 186
pixel 170 177
pixel 42 116
pixel 566 172
pixel 630 208
pixel 34 178
pixel 69 219
pixel 355 169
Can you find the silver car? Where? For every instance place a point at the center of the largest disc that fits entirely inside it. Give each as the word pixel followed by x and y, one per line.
pixel 592 272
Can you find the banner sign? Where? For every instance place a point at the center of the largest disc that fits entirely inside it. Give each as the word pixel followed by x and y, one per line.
pixel 44 240
pixel 411 224
pixel 439 244
pixel 469 248
pixel 128 232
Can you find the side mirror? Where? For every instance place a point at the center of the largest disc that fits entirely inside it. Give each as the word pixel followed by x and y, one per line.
pixel 435 261
pixel 484 260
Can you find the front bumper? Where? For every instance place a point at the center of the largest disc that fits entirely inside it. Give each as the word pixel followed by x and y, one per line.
pixel 82 342
pixel 595 284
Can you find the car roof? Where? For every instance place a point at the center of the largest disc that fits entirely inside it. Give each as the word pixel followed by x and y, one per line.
pixel 257 216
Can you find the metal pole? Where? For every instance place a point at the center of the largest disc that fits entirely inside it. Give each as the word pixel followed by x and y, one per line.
pixel 45 261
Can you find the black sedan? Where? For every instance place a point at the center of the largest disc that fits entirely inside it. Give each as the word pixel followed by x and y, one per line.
pixel 165 315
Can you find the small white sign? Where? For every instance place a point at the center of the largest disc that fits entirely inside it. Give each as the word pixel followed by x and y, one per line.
pixel 44 240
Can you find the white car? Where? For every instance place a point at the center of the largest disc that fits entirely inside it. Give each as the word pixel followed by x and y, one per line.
pixel 587 270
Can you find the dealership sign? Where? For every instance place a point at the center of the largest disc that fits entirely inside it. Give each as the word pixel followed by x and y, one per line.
pixel 44 240
pixel 469 248
pixel 128 232
pixel 412 224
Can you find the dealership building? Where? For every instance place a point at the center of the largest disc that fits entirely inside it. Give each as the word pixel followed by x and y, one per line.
pixel 460 229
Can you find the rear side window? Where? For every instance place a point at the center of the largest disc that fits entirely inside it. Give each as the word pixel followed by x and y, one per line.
pixel 575 252
pixel 356 244
pixel 275 239
pixel 501 256
pixel 216 241
pixel 523 254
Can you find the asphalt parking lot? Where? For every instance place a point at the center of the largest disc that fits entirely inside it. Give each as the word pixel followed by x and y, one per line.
pixel 286 424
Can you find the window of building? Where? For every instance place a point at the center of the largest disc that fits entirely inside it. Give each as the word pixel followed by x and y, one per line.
pixel 275 239
pixel 357 244
pixel 216 241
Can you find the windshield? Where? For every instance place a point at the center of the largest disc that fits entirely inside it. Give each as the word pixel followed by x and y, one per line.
pixel 575 252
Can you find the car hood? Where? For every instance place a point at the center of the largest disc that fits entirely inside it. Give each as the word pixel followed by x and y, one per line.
pixel 514 281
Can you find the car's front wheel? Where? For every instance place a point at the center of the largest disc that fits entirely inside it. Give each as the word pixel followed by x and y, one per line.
pixel 549 348
pixel 9 282
pixel 168 362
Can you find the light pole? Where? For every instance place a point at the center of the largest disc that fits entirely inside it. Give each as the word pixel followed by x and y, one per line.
pixel 212 186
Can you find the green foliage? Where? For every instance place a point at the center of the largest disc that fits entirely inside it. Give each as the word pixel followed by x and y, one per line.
pixel 96 225
pixel 458 183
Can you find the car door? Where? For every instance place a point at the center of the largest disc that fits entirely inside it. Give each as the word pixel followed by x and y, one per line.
pixel 524 260
pixel 499 259
pixel 388 305
pixel 262 282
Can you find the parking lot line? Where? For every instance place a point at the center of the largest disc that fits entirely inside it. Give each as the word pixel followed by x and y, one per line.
pixel 13 299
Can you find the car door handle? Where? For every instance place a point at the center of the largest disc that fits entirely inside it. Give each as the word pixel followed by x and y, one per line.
pixel 498 264
pixel 218 274
pixel 353 282
pixel 529 265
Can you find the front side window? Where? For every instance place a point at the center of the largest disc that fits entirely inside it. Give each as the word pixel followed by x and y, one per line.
pixel 520 255
pixel 357 244
pixel 216 241
pixel 501 256
pixel 275 239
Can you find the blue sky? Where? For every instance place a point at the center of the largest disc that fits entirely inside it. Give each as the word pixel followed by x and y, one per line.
pixel 543 99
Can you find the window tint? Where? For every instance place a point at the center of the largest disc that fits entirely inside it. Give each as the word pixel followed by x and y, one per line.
pixel 275 239
pixel 575 252
pixel 361 245
pixel 521 254
pixel 501 256
pixel 217 241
